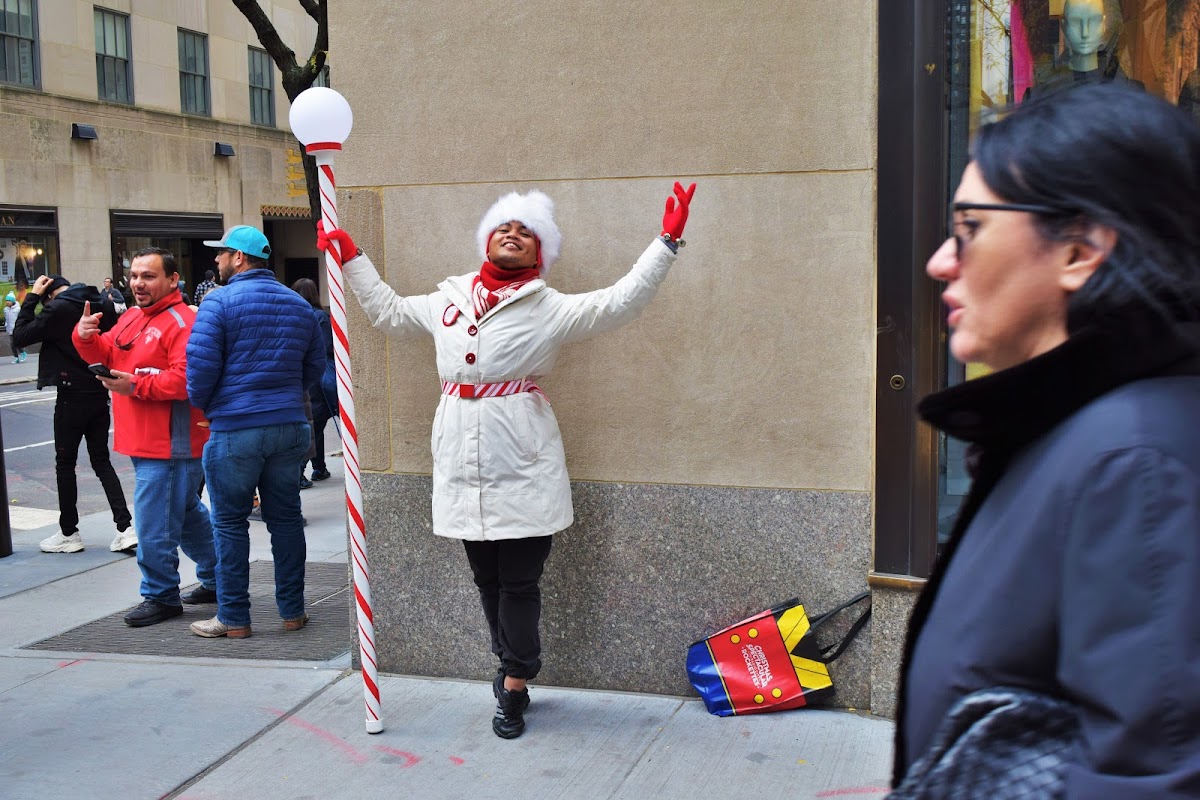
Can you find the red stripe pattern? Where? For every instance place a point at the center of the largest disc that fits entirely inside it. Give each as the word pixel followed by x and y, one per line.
pixel 474 391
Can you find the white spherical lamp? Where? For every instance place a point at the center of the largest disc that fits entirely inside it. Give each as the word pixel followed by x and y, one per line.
pixel 321 119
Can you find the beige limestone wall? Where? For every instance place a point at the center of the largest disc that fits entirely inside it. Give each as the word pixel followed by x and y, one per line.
pixel 68 57
pixel 754 366
pixel 142 160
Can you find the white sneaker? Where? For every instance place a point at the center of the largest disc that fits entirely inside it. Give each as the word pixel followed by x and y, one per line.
pixel 61 544
pixel 125 540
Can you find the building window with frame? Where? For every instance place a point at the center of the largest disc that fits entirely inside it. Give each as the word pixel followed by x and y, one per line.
pixel 113 79
pixel 193 73
pixel 322 78
pixel 262 88
pixel 18 42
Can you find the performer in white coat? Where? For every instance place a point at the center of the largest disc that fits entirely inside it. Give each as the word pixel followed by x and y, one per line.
pixel 499 472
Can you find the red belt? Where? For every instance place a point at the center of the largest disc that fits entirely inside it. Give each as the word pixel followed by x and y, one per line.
pixel 473 391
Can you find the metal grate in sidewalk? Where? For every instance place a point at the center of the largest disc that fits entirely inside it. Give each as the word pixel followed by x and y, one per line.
pixel 327 635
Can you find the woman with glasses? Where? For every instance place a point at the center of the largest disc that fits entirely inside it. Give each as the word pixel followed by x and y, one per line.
pixel 1056 647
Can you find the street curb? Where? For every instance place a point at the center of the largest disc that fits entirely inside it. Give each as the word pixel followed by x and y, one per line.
pixel 12 381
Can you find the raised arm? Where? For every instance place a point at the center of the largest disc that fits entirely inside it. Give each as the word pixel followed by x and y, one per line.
pixel 92 346
pixel 579 316
pixel 387 310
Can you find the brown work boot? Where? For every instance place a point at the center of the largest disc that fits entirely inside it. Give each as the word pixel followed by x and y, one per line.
pixel 295 624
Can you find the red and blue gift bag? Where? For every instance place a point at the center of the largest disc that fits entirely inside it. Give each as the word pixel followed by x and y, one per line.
pixel 769 662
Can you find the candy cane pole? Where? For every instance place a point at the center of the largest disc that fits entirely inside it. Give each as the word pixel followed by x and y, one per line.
pixel 321 120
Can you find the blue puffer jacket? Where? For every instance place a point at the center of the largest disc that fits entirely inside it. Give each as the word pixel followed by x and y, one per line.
pixel 256 346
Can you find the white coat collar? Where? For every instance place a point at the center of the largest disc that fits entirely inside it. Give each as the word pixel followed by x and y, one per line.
pixel 458 289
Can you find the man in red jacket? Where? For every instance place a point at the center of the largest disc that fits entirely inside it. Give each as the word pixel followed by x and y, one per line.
pixel 159 430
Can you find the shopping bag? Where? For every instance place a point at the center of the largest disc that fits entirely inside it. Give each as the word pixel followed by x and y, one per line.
pixel 769 662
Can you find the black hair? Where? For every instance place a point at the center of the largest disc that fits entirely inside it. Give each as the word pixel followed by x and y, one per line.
pixel 209 275
pixel 1114 156
pixel 255 262
pixel 168 258
pixel 307 288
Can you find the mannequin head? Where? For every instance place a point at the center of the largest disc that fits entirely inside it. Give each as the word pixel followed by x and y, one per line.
pixel 1083 28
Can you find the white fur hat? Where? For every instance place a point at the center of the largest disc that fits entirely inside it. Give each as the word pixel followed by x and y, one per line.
pixel 535 211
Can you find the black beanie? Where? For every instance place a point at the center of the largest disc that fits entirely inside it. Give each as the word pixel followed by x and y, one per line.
pixel 55 282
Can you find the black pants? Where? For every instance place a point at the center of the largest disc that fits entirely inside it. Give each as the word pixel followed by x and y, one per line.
pixel 84 416
pixel 507 574
pixel 320 418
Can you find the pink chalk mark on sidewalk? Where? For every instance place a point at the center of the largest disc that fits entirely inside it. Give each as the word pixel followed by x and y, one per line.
pixel 856 790
pixel 410 759
pixel 456 761
pixel 340 744
pixel 63 664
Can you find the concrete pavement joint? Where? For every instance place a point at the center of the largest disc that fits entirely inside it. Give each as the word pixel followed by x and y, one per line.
pixel 272 725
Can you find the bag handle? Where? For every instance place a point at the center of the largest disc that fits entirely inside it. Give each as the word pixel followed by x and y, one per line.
pixel 830 654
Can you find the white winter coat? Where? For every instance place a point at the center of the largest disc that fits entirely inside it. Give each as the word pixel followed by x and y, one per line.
pixel 499 471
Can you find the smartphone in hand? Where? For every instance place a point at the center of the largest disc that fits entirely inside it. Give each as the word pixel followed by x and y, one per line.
pixel 101 370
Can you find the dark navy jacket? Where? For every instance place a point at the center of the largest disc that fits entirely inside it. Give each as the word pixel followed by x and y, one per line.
pixel 255 348
pixel 1074 569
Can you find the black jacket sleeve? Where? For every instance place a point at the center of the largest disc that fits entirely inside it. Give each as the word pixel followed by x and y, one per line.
pixel 1129 655
pixel 32 327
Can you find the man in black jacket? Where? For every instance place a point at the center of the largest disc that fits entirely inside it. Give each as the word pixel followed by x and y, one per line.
pixel 81 411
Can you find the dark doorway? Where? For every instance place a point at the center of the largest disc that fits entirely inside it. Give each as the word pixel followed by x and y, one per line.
pixel 296 268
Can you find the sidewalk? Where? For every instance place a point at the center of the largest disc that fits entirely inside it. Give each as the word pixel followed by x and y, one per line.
pixel 209 727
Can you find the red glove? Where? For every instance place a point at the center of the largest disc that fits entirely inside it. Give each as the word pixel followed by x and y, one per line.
pixel 676 215
pixel 325 240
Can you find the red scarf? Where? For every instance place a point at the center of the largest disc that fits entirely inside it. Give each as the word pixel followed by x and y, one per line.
pixel 493 285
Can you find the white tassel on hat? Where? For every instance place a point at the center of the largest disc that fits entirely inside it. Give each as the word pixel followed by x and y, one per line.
pixel 535 211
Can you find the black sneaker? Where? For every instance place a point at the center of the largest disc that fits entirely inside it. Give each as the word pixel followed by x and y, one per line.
pixel 305 483
pixel 320 475
pixel 509 722
pixel 151 612
pixel 498 686
pixel 200 595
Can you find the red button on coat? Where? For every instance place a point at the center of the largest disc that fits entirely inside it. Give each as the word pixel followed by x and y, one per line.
pixel 472 330
pixel 470 358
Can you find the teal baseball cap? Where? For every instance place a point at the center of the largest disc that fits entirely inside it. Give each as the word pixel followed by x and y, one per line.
pixel 245 238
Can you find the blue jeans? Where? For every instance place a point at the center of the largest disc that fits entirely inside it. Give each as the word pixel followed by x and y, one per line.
pixel 268 458
pixel 170 516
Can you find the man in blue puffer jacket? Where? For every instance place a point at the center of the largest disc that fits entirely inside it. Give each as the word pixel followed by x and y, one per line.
pixel 254 348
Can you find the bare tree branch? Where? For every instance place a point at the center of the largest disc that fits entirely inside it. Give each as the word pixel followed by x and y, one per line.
pixel 283 56
pixel 296 76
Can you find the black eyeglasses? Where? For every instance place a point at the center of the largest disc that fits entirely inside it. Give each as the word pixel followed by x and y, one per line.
pixel 129 344
pixel 1029 208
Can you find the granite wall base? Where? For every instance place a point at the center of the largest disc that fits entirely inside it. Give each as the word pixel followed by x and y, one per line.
pixel 645 570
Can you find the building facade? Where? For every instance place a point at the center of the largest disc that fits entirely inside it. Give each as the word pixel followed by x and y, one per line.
pixel 129 124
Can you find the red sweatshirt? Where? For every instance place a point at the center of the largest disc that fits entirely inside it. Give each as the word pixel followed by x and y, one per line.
pixel 156 421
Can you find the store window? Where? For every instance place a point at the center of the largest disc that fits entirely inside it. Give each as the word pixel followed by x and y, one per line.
pixel 28 247
pixel 1006 52
pixel 262 88
pixel 113 80
pixel 182 234
pixel 193 73
pixel 18 42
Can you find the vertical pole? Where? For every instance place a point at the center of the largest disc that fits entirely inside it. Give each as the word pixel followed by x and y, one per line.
pixel 5 524
pixel 323 153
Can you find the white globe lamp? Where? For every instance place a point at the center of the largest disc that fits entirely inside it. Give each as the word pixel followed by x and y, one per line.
pixel 321 119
